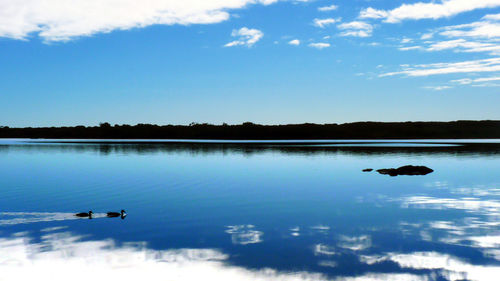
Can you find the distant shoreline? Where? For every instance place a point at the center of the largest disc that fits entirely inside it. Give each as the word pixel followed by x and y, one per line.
pixel 487 129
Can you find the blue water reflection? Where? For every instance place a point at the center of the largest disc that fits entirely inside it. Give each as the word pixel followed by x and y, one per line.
pixel 248 211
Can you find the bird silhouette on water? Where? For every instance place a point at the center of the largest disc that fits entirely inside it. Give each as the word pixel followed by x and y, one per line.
pixel 121 214
pixel 85 215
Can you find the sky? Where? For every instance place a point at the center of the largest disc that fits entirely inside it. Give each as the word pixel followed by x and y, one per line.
pixel 83 62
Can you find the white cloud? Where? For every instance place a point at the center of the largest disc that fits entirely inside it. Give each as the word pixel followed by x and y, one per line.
pixel 356 29
pixel 472 66
pixel 61 20
pixel 438 88
pixel 494 17
pixel 463 45
pixel 479 36
pixel 464 81
pixel 247 37
pixel 468 81
pixel 370 13
pixel 479 29
pixel 426 36
pixel 428 10
pixel 322 23
pixel 409 48
pixel 294 42
pixel 328 8
pixel 319 45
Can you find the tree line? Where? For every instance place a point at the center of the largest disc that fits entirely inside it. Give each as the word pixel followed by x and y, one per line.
pixel 248 130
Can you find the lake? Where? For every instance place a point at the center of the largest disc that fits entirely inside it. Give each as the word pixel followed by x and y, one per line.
pixel 282 210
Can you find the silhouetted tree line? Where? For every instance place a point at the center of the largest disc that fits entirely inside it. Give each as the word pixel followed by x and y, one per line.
pixel 248 130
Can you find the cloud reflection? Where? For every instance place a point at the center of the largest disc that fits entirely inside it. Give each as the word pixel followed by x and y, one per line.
pixel 449 267
pixel 358 243
pixel 469 204
pixel 321 249
pixel 244 234
pixel 64 256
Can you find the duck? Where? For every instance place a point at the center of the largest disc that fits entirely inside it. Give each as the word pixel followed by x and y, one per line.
pixel 121 214
pixel 85 215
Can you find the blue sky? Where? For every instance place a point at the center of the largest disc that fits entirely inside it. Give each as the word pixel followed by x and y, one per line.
pixel 264 61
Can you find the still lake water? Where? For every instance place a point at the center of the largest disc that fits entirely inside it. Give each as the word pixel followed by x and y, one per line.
pixel 246 211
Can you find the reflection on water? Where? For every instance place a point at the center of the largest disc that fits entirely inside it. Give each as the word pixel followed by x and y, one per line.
pixel 208 211
pixel 244 234
pixel 355 243
pixel 443 147
pixel 63 256
pixel 11 218
pixel 68 256
pixel 449 267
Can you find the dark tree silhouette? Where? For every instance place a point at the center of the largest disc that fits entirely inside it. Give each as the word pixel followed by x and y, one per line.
pixel 249 130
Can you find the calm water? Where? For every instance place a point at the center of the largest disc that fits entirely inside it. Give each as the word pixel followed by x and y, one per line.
pixel 268 211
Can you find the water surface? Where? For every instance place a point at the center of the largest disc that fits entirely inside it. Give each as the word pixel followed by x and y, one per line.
pixel 249 210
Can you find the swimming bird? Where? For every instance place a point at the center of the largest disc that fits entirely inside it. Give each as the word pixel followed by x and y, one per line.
pixel 121 214
pixel 85 215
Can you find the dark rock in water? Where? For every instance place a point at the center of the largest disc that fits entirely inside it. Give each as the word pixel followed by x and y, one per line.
pixel 408 170
pixel 367 170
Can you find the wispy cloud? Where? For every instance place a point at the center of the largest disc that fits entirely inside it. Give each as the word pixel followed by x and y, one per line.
pixel 472 66
pixel 319 45
pixel 428 10
pixel 464 45
pixel 410 48
pixel 294 42
pixel 55 20
pixel 246 37
pixel 322 23
pixel 328 8
pixel 371 13
pixel 356 29
pixel 479 36
pixel 438 88
pixel 427 36
pixel 477 81
pixel 487 27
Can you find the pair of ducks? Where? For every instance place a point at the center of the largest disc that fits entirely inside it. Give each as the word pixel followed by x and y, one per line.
pixel 121 214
